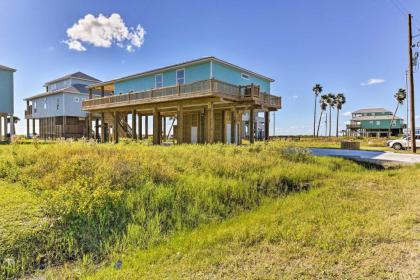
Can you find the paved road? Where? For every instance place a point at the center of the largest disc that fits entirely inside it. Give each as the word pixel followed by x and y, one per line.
pixel 368 155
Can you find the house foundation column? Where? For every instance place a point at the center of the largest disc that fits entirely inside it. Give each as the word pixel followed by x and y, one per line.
pixel 146 127
pixel 266 124
pixel 5 127
pixel 140 127
pixel 156 127
pixel 251 125
pixel 164 127
pixel 180 124
pixel 134 124
pixel 28 129
pixel 233 127
pixel 115 128
pixel 102 127
pixel 210 132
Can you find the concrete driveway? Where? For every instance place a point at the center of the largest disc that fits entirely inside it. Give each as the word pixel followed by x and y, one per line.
pixel 368 155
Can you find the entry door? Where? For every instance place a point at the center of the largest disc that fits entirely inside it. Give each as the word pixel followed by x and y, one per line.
pixel 193 135
pixel 228 133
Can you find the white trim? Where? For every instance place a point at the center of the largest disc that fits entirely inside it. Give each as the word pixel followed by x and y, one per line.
pixel 160 74
pixel 176 75
pixel 211 69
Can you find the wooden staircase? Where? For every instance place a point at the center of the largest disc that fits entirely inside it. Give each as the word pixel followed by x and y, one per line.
pixel 126 127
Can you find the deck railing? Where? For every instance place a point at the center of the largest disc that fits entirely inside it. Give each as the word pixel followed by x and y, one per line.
pixel 206 87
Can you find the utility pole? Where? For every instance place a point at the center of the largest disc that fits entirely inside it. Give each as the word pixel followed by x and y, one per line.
pixel 410 70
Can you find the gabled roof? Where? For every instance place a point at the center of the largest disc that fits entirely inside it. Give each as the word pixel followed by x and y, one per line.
pixel 80 89
pixel 372 110
pixel 77 75
pixel 2 67
pixel 183 64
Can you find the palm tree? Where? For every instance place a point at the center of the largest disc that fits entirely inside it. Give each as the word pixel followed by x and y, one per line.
pixel 400 97
pixel 330 99
pixel 323 104
pixel 317 89
pixel 340 99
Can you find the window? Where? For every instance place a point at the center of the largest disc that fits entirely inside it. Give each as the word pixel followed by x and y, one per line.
pixel 45 103
pixel 159 81
pixel 180 77
pixel 378 122
pixel 245 76
pixel 76 99
pixel 58 104
pixel 34 103
pixel 394 123
pixel 53 87
pixel 371 122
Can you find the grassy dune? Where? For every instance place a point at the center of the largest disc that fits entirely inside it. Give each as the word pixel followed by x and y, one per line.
pixel 211 211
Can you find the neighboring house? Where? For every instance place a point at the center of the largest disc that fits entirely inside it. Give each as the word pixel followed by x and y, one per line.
pixel 207 97
pixel 374 122
pixel 6 102
pixel 59 109
pixel 259 124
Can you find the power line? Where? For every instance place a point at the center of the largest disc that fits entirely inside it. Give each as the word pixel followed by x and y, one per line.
pixel 404 12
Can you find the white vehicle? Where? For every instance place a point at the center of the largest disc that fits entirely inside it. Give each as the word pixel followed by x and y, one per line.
pixel 403 143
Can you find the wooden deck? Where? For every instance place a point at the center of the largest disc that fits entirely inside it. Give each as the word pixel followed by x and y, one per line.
pixel 202 89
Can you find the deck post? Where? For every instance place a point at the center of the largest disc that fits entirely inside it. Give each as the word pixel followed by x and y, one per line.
pixel 223 126
pixel 102 127
pixel 146 127
pixel 164 127
pixel 140 127
pixel 134 124
pixel 211 123
pixel 180 124
pixel 239 127
pixel 115 128
pixel 156 127
pixel 89 125
pixel 96 128
pixel 266 124
pixel 232 126
pixel 251 125
pixel 28 128
pixel 1 128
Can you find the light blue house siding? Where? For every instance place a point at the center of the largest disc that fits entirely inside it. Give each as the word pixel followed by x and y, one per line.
pixel 193 73
pixel 6 91
pixel 234 76
pixel 60 104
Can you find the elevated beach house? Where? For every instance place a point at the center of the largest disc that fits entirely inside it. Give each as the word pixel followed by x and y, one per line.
pixel 374 122
pixel 58 109
pixel 204 99
pixel 7 122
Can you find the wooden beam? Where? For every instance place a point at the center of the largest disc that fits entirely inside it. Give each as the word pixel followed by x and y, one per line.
pixel 251 125
pixel 266 124
pixel 156 127
pixel 116 128
pixel 232 126
pixel 134 124
pixel 103 128
pixel 140 126
pixel 211 123
pixel 180 124
pixel 146 127
pixel 164 127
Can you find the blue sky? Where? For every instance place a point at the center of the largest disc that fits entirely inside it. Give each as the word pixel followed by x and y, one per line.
pixel 339 44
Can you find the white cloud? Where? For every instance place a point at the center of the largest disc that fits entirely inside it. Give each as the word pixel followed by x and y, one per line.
pixel 103 32
pixel 347 114
pixel 373 82
pixel 295 97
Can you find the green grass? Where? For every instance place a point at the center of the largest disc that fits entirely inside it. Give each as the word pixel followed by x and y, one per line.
pixel 193 211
